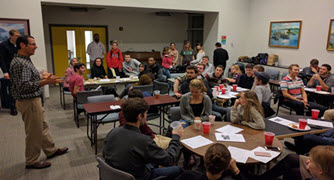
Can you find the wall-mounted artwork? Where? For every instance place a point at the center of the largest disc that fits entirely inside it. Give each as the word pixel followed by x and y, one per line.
pixel 330 42
pixel 285 34
pixel 6 25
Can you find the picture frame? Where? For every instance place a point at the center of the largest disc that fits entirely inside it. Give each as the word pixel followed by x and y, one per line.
pixel 285 34
pixel 7 24
pixel 330 41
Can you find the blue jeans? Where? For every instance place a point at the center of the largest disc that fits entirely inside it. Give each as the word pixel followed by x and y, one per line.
pixel 186 123
pixel 218 111
pixel 167 72
pixel 170 172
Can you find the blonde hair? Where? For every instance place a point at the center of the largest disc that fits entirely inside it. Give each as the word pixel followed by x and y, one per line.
pixel 251 101
pixel 187 42
pixel 323 157
pixel 237 69
pixel 197 84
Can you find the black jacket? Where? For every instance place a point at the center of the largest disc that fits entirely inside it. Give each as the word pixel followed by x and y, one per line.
pixel 7 51
pixel 129 150
pixel 158 72
pixel 220 56
pixel 245 81
pixel 98 72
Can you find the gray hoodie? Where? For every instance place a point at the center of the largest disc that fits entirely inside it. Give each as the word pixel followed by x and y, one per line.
pixel 131 67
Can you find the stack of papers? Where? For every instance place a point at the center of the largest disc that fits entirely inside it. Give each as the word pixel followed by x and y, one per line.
pixel 104 80
pixel 196 142
pixel 230 137
pixel 310 89
pixel 281 121
pixel 320 123
pixel 113 107
pixel 228 129
pixel 241 155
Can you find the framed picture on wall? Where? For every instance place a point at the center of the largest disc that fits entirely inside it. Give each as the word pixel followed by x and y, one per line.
pixel 6 25
pixel 285 34
pixel 330 42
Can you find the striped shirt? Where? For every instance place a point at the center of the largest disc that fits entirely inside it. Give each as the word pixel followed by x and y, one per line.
pixel 24 78
pixel 294 87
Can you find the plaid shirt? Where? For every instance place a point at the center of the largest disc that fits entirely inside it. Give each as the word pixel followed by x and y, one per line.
pixel 24 78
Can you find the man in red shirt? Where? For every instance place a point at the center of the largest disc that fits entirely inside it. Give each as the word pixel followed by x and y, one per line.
pixel 76 81
pixel 114 61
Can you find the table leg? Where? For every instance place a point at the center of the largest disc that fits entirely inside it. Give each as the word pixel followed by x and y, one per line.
pixel 88 117
pixel 161 113
pixel 95 134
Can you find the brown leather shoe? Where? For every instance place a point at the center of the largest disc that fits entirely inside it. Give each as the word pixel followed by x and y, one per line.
pixel 59 152
pixel 39 165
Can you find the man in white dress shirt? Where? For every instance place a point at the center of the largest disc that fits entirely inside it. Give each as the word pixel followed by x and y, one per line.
pixel 95 49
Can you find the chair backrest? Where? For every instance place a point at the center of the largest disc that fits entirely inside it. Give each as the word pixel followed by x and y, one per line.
pixel 273 74
pixel 284 74
pixel 107 172
pixel 100 98
pixel 148 88
pixel 161 86
pixel 89 76
pixel 83 95
pixel 175 113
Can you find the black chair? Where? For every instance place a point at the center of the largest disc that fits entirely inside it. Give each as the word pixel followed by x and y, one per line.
pixel 143 88
pixel 280 99
pixel 62 94
pixel 161 86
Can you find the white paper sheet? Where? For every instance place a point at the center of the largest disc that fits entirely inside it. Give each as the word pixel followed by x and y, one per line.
pixel 196 142
pixel 262 158
pixel 104 80
pixel 240 155
pixel 281 121
pixel 113 107
pixel 320 123
pixel 240 89
pixel 230 137
pixel 228 129
pixel 309 89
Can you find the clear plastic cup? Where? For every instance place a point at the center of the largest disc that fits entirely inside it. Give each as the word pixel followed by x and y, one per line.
pixel 156 93
pixel 118 78
pixel 175 124
pixel 269 138
pixel 212 119
pixel 197 124
pixel 315 113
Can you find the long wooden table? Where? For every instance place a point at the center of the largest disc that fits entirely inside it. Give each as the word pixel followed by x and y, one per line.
pixel 282 131
pixel 94 109
pixel 254 138
pixel 109 82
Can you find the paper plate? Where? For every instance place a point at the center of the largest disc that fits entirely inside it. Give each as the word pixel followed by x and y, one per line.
pixel 322 92
pixel 295 126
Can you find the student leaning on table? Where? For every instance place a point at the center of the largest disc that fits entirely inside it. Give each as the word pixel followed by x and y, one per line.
pixel 247 110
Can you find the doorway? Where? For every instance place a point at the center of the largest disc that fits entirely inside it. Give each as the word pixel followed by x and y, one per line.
pixel 71 41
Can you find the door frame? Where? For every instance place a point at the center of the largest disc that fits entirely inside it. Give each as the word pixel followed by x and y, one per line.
pixel 74 25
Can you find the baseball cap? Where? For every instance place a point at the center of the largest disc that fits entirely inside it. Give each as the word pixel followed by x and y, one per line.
pixel 262 76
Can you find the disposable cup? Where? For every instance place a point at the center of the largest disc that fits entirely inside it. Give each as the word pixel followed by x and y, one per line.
pixel 269 138
pixel 156 94
pixel 318 88
pixel 234 87
pixel 302 123
pixel 315 113
pixel 206 127
pixel 212 119
pixel 224 91
pixel 175 124
pixel 217 88
pixel 197 124
pixel 221 86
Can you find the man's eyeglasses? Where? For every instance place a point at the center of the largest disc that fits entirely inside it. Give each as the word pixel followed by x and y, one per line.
pixel 33 44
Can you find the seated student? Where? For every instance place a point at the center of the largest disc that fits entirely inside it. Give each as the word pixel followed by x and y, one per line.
pixel 130 66
pixel 248 111
pixel 161 141
pixel 195 105
pixel 294 167
pixel 188 76
pixel 145 78
pixel 217 77
pixel 69 73
pixel 77 81
pixel 329 114
pixel 208 67
pixel 294 93
pixel 128 150
pixel 312 69
pixel 97 70
pixel 257 68
pixel 263 92
pixel 219 165
pixel 325 78
pixel 235 74
pixel 247 80
pixel 156 70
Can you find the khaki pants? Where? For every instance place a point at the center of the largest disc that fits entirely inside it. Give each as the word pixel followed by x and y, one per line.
pixel 329 114
pixel 37 135
pixel 162 141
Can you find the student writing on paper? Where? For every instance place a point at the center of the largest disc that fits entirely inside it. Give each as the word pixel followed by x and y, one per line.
pixel 218 165
pixel 247 110
pixel 318 166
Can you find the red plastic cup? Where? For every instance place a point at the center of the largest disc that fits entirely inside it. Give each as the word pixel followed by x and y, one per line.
pixel 315 113
pixel 302 123
pixel 206 127
pixel 221 86
pixel 224 91
pixel 269 138
pixel 217 88
pixel 234 87
pixel 318 88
